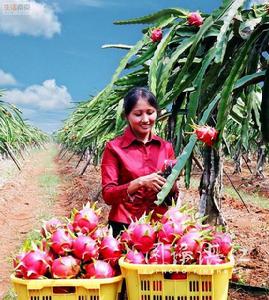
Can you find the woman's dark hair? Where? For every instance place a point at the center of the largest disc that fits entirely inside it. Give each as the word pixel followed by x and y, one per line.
pixel 133 96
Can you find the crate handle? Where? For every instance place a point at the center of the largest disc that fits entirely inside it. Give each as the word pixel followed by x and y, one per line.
pixel 64 290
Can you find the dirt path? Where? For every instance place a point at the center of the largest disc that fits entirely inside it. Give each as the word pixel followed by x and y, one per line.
pixel 25 199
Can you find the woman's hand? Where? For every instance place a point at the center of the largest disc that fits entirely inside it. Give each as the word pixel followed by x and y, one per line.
pixel 153 181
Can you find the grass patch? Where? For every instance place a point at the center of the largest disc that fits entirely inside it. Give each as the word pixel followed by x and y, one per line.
pixel 48 183
pixel 10 295
pixel 250 198
pixel 51 151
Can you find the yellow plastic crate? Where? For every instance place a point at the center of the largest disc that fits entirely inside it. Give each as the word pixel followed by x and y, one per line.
pixel 198 282
pixel 67 289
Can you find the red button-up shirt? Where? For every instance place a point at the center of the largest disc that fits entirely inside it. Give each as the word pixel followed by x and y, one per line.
pixel 125 159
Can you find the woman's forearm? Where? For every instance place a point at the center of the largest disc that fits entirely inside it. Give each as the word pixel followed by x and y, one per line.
pixel 113 194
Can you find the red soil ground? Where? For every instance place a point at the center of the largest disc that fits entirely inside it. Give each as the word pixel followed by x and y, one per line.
pixel 22 202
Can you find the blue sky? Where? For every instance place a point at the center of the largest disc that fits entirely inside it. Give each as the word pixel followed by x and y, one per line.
pixel 51 53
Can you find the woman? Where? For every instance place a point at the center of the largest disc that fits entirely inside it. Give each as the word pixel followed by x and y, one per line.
pixel 132 162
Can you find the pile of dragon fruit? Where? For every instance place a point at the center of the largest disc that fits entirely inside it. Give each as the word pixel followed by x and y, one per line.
pixel 176 238
pixel 82 247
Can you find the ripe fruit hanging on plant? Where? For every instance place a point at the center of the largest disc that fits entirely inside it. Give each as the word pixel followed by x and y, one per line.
pixel 195 19
pixel 156 35
pixel 206 134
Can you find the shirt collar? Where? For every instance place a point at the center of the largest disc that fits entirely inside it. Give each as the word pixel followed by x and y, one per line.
pixel 128 137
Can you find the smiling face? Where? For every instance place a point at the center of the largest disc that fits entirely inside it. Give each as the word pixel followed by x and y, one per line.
pixel 142 119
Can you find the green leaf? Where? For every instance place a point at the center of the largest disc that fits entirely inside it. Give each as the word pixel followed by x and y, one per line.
pixel 145 56
pixel 219 12
pixel 168 67
pixel 264 114
pixel 138 78
pixel 246 120
pixel 222 38
pixel 225 103
pixel 181 161
pixel 187 175
pixel 250 79
pixel 119 120
pixel 183 74
pixel 152 18
pixel 256 112
pixel 152 77
pixel 197 83
pixel 236 116
pixel 193 105
pixel 124 62
pixel 183 158
pixel 117 46
pixel 246 28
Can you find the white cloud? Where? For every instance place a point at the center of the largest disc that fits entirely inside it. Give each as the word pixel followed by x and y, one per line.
pixel 33 18
pixel 6 78
pixel 47 96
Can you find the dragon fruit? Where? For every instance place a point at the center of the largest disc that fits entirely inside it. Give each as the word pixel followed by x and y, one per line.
pixel 195 19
